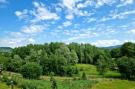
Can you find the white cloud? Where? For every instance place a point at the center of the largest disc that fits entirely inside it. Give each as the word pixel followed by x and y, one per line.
pixel 122 14
pixel 42 13
pixel 12 42
pixel 76 35
pixel 91 20
pixel 16 42
pixel 72 8
pixel 125 2
pixel 105 19
pixel 70 16
pixel 95 3
pixel 36 4
pixel 70 4
pixel 22 15
pixel 67 23
pixel 132 31
pixel 106 43
pixel 85 4
pixel 103 2
pixel 31 40
pixel 117 15
pixel 39 13
pixel 32 29
pixel 81 36
pixel 82 12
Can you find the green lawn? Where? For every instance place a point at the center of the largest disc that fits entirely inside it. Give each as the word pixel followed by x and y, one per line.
pixel 115 84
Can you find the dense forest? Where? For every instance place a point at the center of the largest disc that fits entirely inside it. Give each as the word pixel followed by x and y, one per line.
pixel 60 59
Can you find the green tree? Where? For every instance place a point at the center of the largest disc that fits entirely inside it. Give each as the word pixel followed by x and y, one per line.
pixel 15 63
pixel 74 57
pixel 21 51
pixel 5 61
pixel 115 53
pixel 128 49
pixel 101 65
pixel 126 67
pixel 65 52
pixel 44 62
pixel 31 70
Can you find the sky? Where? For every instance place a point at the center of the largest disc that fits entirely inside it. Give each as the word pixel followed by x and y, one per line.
pixel 99 22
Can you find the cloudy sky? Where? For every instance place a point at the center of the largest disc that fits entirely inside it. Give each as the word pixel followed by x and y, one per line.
pixel 99 22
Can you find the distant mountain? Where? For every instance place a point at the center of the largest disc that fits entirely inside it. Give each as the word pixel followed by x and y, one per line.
pixel 112 47
pixel 5 49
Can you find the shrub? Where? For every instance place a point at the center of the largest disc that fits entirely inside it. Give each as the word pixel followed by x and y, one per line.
pixel 84 77
pixel 127 67
pixel 31 71
pixel 54 84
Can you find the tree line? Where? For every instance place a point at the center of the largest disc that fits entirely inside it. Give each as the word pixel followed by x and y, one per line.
pixel 60 59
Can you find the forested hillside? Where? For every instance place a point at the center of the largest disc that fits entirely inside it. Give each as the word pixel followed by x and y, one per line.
pixel 59 59
pixel 5 49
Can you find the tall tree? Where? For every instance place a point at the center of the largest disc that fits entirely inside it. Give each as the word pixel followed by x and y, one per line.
pixel 128 49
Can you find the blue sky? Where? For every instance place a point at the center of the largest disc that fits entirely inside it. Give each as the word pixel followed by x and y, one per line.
pixel 98 22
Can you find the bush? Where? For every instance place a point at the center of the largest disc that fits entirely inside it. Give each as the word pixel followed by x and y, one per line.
pixel 54 84
pixel 31 71
pixel 127 67
pixel 84 77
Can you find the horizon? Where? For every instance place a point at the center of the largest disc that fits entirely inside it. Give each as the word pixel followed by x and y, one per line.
pixel 102 23
pixel 61 42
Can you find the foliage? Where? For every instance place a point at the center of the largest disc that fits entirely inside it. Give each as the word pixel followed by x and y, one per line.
pixel 102 64
pixel 54 84
pixel 61 58
pixel 125 59
pixel 116 53
pixel 31 71
pixel 127 67
pixel 84 77
pixel 128 49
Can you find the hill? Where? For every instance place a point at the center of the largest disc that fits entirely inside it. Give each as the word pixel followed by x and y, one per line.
pixel 112 47
pixel 5 49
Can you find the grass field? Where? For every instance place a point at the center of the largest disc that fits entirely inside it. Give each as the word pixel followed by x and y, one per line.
pixel 91 72
pixel 4 86
pixel 63 84
pixel 115 84
pixel 109 80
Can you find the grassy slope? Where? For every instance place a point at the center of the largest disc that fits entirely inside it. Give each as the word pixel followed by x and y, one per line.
pixel 91 72
pixel 115 84
pixel 4 86
pixel 62 82
pixel 108 81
